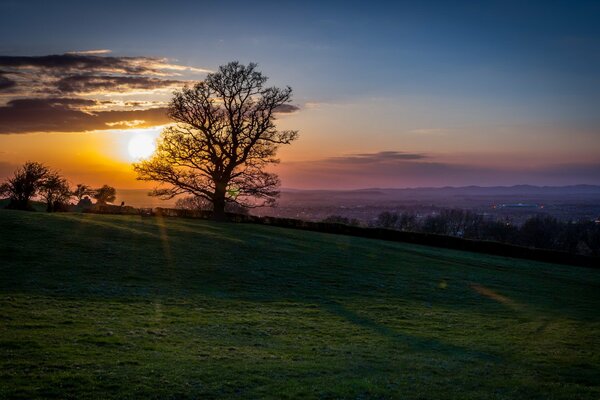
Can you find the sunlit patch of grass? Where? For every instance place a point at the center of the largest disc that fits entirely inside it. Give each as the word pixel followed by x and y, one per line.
pixel 100 307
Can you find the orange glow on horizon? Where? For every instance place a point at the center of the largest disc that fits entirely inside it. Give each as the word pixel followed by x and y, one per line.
pixel 93 158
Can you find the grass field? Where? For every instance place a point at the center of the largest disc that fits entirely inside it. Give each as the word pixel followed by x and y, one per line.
pixel 96 306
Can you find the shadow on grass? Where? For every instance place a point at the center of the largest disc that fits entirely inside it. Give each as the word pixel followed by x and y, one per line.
pixel 415 343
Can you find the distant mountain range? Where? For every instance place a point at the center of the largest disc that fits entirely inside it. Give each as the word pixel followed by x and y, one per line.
pixel 485 190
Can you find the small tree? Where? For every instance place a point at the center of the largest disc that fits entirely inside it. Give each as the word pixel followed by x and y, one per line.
pixel 223 138
pixel 55 190
pixel 105 194
pixel 24 185
pixel 81 191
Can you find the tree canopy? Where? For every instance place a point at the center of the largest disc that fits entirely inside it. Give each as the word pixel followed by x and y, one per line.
pixel 82 190
pixel 105 194
pixel 25 184
pixel 222 139
pixel 55 191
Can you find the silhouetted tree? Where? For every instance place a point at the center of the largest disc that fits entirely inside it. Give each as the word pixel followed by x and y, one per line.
pixel 387 220
pixel 55 191
pixel 454 222
pixel 81 191
pixel 24 185
pixel 105 194
pixel 540 231
pixel 499 231
pixel 223 139
pixel 407 222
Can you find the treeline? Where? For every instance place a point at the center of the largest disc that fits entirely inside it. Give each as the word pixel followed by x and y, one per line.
pixel 35 181
pixel 540 231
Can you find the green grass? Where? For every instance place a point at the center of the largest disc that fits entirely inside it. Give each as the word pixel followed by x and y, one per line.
pixel 95 306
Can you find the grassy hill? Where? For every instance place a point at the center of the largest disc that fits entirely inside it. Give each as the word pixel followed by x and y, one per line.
pixel 98 306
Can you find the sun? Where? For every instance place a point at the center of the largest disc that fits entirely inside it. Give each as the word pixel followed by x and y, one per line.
pixel 141 146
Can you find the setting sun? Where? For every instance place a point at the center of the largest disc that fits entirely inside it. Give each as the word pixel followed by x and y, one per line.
pixel 141 146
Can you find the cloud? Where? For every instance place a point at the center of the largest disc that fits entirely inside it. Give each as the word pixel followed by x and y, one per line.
pixel 70 92
pixel 70 115
pixel 61 63
pixel 89 72
pixel 380 157
pixel 108 83
pixel 90 52
pixel 388 169
pixel 286 109
pixel 6 83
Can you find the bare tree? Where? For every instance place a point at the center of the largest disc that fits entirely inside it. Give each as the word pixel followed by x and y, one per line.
pixel 24 185
pixel 223 138
pixel 105 194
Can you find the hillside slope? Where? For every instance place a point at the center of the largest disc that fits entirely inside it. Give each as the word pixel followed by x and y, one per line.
pixel 124 307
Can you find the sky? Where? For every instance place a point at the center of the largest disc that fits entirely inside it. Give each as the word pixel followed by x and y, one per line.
pixel 387 94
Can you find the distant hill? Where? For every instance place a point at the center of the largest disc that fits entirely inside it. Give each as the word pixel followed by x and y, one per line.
pixel 517 190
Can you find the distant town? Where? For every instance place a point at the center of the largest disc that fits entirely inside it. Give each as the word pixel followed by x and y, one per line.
pixel 514 204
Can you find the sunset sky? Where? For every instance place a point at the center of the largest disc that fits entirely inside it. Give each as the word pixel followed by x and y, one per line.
pixel 408 94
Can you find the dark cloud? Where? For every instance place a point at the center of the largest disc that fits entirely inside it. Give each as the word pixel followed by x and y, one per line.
pixel 6 83
pixel 94 83
pixel 380 157
pixel 83 62
pixel 87 73
pixel 66 115
pixel 46 93
pixel 52 101
pixel 286 109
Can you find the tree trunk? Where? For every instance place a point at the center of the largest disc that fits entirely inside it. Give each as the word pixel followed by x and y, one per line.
pixel 219 202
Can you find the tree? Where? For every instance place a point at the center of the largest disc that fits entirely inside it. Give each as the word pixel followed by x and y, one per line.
pixel 81 191
pixel 540 231
pixel 55 190
pixel 24 185
pixel 105 194
pixel 223 138
pixel 387 220
pixel 407 222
